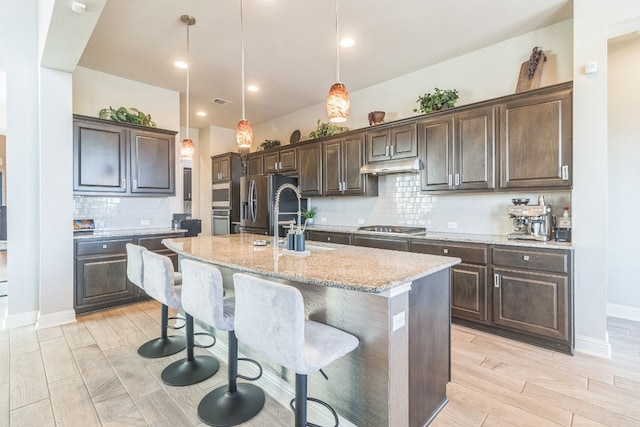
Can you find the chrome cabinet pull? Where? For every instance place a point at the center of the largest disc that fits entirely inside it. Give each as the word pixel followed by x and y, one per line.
pixel 496 280
pixel 391 150
pixel 104 246
pixel 386 150
pixel 525 257
pixel 457 179
pixel 446 251
pixel 565 172
pixel 328 239
pixel 450 182
pixel 124 183
pixel 135 183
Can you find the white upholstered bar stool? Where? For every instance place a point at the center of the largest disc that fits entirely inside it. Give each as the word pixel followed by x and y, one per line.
pixel 270 319
pixel 165 345
pixel 203 297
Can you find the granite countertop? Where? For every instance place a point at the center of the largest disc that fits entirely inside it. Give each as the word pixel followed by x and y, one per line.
pixel 130 232
pixel 488 239
pixel 347 267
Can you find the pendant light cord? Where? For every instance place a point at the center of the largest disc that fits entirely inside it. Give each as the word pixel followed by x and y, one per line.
pixel 242 51
pixel 188 68
pixel 337 47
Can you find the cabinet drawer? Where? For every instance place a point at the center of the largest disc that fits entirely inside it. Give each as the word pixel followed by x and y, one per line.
pixel 468 254
pixel 154 243
pixel 374 242
pixel 323 236
pixel 557 262
pixel 102 247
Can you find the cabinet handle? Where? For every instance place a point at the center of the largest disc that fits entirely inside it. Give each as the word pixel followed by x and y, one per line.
pixel 565 172
pixel 386 150
pixel 525 257
pixel 104 246
pixel 124 183
pixel 496 280
pixel 344 186
pixel 328 239
pixel 391 150
pixel 457 179
pixel 445 251
pixel 135 183
pixel 450 182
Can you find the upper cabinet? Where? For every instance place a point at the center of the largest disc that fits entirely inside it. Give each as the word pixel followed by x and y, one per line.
pixel 122 159
pixel 458 150
pixel 254 164
pixel 310 169
pixel 342 159
pixel 397 142
pixel 226 167
pixel 282 160
pixel 536 140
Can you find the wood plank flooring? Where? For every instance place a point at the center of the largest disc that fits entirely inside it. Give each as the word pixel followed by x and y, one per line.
pixel 89 374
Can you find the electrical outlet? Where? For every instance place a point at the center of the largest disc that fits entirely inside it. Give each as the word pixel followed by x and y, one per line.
pixel 398 320
pixel 360 221
pixel 323 219
pixel 145 222
pixel 452 225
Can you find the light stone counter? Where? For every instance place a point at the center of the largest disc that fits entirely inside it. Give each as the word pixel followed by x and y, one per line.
pixel 396 303
pixel 347 267
pixel 97 234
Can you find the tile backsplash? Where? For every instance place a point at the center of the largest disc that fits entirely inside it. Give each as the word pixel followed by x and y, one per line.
pixel 123 213
pixel 400 202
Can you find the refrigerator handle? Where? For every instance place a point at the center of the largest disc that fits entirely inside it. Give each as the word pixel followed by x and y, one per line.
pixel 253 200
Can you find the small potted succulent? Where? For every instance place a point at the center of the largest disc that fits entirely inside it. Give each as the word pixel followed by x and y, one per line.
pixel 308 215
pixel 438 100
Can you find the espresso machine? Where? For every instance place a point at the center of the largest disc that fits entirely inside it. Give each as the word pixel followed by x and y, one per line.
pixel 530 222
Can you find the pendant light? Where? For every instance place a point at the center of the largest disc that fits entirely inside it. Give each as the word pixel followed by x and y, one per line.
pixel 338 104
pixel 186 147
pixel 244 133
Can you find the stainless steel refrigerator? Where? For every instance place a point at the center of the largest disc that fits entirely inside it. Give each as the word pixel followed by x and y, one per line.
pixel 257 200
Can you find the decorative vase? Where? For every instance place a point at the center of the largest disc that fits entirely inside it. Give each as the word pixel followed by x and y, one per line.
pixel 376 117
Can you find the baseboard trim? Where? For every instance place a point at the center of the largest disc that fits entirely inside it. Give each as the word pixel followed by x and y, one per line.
pixel 20 319
pixel 600 348
pixel 626 312
pixel 56 319
pixel 279 389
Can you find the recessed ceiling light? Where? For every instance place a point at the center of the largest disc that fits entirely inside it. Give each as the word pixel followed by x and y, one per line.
pixel 201 113
pixel 347 42
pixel 252 88
pixel 181 64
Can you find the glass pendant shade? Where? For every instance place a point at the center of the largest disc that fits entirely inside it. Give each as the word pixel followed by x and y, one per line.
pixel 338 104
pixel 187 149
pixel 244 134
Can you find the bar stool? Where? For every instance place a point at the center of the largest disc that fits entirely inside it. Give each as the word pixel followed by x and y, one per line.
pixel 270 319
pixel 165 345
pixel 158 280
pixel 202 296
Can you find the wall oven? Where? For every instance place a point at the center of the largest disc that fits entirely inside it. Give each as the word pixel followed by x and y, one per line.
pixel 221 222
pixel 221 195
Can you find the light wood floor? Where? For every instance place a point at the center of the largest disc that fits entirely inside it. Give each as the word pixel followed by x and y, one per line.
pixel 89 374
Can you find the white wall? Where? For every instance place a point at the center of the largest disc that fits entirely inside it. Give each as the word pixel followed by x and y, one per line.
pixel 623 178
pixel 483 74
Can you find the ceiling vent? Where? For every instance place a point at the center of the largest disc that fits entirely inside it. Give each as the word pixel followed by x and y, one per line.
pixel 221 101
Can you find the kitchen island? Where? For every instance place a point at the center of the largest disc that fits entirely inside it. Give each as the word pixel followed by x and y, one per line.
pixel 397 304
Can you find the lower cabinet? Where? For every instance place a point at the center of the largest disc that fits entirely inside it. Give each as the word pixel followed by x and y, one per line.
pixel 328 236
pixel 101 271
pixel 397 244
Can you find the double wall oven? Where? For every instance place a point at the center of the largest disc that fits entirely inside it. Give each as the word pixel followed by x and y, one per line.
pixel 225 207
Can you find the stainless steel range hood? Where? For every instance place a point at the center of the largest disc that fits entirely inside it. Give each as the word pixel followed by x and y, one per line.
pixel 388 167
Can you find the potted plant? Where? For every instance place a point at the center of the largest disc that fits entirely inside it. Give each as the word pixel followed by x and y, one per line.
pixel 437 100
pixel 308 215
pixel 127 115
pixel 326 129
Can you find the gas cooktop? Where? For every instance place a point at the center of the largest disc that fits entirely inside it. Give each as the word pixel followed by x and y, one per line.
pixel 393 229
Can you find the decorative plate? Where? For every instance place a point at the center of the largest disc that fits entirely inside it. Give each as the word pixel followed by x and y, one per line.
pixel 295 137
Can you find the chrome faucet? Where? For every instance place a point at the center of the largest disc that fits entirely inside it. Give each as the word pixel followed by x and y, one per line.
pixel 276 215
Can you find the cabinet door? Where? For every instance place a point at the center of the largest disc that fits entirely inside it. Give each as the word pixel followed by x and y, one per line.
pixel 101 282
pixel 287 159
pixel 220 169
pixel 403 142
pixel 310 170
pixel 536 303
pixel 353 159
pixel 186 184
pixel 254 164
pixel 475 149
pixel 152 162
pixel 331 237
pixel 99 157
pixel 332 168
pixel 536 141
pixel 270 162
pixel 435 146
pixel 380 243
pixel 469 292
pixel 377 145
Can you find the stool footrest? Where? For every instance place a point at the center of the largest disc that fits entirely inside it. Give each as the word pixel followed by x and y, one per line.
pixel 321 402
pixel 207 334
pixel 255 362
pixel 174 326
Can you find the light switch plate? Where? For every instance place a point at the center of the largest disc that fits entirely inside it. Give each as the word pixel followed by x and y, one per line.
pixel 145 222
pixel 452 225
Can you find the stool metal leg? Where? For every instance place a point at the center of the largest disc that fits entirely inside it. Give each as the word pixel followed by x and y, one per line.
pixel 193 369
pixel 301 400
pixel 234 403
pixel 165 345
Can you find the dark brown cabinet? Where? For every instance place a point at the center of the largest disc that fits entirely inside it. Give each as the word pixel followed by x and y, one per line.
pixel 396 142
pixel 101 270
pixel 330 237
pixel 536 140
pixel 342 159
pixel 122 159
pixel 226 167
pixel 532 294
pixel 470 296
pixel 396 244
pixel 186 184
pixel 254 164
pixel 310 169
pixel 283 160
pixel 458 150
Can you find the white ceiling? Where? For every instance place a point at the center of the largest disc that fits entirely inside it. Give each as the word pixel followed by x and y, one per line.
pixel 290 45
